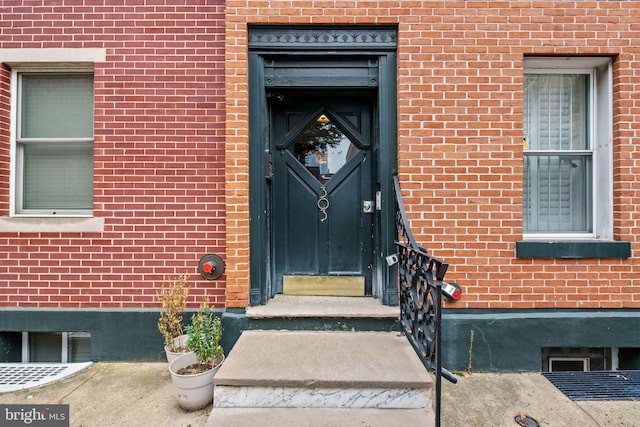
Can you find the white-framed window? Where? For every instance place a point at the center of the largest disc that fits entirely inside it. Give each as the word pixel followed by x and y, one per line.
pixel 56 347
pixel 567 148
pixel 562 364
pixel 53 144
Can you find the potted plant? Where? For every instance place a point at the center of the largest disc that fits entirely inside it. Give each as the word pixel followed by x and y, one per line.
pixel 192 373
pixel 174 301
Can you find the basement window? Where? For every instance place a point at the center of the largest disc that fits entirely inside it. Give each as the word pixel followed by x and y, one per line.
pixel 560 359
pixel 45 347
pixel 558 364
pixel 628 358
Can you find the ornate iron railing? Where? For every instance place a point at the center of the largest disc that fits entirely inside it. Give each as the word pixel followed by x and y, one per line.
pixel 421 278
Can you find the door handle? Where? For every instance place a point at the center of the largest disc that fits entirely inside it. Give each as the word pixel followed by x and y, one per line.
pixel 367 206
pixel 268 166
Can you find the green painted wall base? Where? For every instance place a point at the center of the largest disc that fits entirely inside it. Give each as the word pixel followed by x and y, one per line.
pixel 503 341
pixel 116 335
pixel 512 340
pixel 129 335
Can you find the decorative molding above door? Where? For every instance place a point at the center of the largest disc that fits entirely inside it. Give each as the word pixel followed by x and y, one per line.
pixel 378 38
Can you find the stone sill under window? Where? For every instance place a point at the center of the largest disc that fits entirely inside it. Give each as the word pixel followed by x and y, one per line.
pixel 573 249
pixel 51 225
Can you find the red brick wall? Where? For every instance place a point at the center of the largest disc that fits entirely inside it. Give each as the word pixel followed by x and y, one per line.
pixel 460 78
pixel 160 142
pixel 159 153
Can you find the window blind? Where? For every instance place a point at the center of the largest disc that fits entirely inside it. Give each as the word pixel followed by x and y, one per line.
pixel 56 106
pixel 55 142
pixel 557 184
pixel 58 176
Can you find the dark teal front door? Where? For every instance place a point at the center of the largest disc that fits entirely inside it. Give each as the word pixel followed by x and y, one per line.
pixel 322 195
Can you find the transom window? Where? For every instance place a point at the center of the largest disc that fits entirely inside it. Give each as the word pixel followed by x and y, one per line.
pixel 54 143
pixel 566 115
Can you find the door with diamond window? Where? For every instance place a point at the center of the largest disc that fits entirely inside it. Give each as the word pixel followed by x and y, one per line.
pixel 322 194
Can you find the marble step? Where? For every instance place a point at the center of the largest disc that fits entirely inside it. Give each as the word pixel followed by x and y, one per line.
pixel 304 417
pixel 322 369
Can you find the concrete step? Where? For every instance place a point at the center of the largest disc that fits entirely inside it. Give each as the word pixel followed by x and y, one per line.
pixel 314 313
pixel 304 417
pixel 300 307
pixel 319 369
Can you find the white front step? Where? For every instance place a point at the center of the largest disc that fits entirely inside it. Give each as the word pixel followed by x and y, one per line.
pixel 270 417
pixel 285 369
pixel 313 397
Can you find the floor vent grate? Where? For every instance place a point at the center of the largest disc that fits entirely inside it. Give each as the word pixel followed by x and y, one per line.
pixel 597 385
pixel 19 376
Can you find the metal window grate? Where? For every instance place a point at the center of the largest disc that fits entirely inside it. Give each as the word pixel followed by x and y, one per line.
pixel 597 385
pixel 27 374
pixel 15 376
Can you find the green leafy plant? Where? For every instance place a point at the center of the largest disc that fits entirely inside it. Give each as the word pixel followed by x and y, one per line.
pixel 174 301
pixel 205 333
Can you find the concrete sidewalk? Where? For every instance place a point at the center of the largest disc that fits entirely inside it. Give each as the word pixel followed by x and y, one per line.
pixel 140 394
pixel 496 399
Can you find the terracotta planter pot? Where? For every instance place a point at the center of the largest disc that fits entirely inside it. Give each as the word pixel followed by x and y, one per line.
pixel 192 391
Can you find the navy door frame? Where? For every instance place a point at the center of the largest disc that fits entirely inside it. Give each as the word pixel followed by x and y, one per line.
pixel 337 58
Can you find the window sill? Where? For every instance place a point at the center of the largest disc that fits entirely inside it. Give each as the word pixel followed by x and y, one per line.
pixel 573 249
pixel 51 225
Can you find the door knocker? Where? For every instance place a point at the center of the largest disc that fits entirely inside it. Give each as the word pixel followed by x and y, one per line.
pixel 323 204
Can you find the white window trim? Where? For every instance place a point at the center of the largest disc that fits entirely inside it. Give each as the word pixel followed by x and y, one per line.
pixel 16 158
pixel 601 138
pixel 64 348
pixel 586 362
pixel 45 60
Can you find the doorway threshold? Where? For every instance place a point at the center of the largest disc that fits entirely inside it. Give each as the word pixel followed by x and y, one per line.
pixel 293 306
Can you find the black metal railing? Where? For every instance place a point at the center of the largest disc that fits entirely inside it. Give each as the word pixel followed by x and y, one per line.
pixel 421 278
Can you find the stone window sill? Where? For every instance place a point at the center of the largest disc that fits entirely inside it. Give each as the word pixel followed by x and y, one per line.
pixel 573 249
pixel 51 225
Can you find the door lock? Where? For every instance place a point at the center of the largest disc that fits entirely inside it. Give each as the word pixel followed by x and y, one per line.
pixel 367 206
